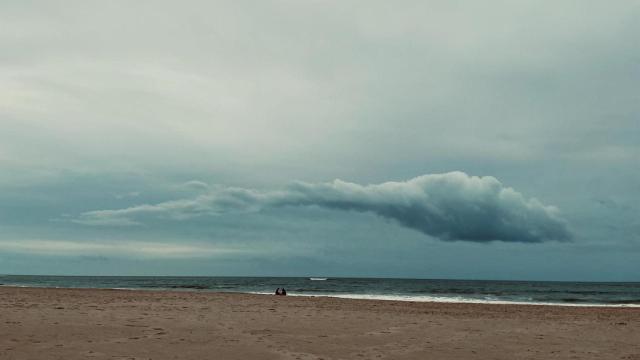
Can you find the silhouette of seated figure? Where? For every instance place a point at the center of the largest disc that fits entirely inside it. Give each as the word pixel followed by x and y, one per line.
pixel 281 291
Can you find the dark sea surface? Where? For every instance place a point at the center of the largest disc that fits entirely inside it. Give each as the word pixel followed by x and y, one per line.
pixel 540 292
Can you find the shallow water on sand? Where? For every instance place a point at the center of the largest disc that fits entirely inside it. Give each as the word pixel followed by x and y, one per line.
pixel 567 293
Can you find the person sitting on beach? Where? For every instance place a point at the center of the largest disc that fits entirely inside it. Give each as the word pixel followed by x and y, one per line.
pixel 283 292
pixel 278 291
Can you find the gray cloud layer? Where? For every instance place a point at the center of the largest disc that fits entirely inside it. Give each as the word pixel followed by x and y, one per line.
pixel 451 206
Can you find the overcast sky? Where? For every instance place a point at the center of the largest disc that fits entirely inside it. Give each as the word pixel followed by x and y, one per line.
pixel 430 139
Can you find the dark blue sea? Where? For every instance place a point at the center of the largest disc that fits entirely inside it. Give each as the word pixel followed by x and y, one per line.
pixel 537 292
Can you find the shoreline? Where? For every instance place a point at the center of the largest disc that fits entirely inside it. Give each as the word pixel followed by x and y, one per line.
pixel 366 297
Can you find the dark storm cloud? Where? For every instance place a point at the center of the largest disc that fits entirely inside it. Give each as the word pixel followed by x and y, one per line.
pixel 451 206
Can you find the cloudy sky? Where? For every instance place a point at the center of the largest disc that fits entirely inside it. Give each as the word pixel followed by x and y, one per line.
pixel 431 139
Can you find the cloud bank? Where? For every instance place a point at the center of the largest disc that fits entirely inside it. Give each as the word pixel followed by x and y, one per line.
pixel 141 249
pixel 451 206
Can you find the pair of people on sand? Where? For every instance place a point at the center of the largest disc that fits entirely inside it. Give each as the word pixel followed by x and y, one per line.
pixel 281 291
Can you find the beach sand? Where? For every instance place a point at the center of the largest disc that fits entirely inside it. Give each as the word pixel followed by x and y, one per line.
pixel 123 324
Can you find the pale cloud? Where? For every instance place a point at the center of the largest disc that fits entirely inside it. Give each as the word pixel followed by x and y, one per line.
pixel 195 86
pixel 126 249
pixel 451 206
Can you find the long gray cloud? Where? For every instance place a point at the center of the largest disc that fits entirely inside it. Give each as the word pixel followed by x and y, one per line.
pixel 450 206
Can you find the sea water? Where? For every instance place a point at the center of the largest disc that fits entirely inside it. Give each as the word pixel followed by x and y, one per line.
pixel 476 291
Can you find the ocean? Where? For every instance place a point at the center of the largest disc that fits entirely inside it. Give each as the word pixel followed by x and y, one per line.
pixel 476 291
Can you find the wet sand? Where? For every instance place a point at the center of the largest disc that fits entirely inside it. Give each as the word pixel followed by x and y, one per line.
pixel 121 324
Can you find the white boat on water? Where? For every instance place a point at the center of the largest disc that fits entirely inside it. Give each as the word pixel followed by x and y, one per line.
pixel 317 279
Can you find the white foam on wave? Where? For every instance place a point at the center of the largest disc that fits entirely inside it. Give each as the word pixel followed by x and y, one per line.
pixel 449 299
pixel 409 298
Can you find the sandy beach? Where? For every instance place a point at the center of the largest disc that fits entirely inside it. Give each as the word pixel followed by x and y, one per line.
pixel 123 324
